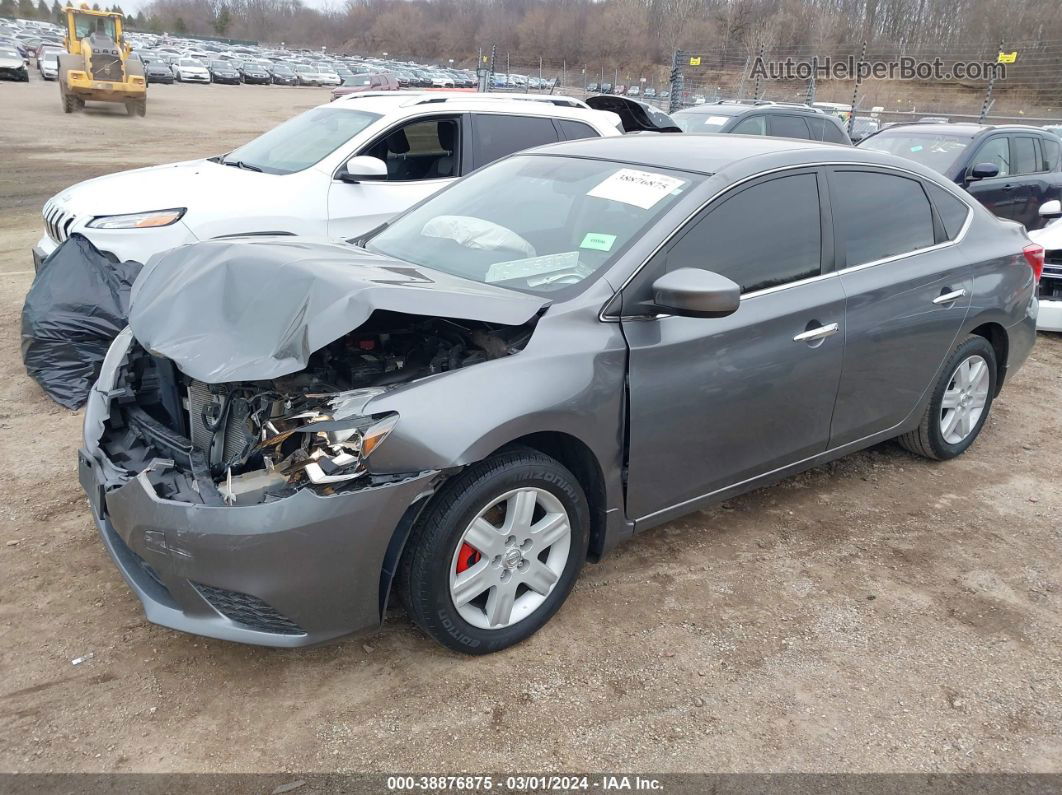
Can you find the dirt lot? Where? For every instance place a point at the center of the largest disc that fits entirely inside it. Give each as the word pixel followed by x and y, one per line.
pixel 880 614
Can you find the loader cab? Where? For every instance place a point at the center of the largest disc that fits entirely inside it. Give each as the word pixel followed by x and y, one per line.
pixel 83 24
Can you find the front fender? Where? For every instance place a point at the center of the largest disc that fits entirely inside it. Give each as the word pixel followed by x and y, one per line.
pixel 568 379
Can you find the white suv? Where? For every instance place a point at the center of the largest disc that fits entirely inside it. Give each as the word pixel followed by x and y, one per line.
pixel 337 170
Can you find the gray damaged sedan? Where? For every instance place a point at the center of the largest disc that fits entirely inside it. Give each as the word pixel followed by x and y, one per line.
pixel 557 352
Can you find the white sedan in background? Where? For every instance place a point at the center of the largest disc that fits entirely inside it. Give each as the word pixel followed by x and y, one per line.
pixel 189 70
pixel 327 76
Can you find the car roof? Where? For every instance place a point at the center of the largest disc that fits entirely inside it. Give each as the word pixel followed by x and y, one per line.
pixel 710 153
pixel 410 102
pixel 968 128
pixel 733 156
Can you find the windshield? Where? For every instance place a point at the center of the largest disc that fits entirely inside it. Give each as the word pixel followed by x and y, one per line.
pixel 300 142
pixel 284 70
pixel 534 223
pixel 357 81
pixel 189 62
pixel 939 151
pixel 86 25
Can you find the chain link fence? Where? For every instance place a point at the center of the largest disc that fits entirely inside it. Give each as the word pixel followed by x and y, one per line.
pixel 956 82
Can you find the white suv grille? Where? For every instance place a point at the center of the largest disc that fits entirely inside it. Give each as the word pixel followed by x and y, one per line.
pixel 57 222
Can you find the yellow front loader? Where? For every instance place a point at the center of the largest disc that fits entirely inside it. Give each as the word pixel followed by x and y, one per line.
pixel 96 65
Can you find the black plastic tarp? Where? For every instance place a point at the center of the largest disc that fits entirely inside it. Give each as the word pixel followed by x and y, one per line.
pixel 78 303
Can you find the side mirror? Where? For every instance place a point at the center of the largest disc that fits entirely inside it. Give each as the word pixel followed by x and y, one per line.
pixel 364 168
pixel 693 292
pixel 1051 209
pixel 983 171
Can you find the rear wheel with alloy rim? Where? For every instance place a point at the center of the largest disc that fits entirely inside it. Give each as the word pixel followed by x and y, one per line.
pixel 496 552
pixel 959 405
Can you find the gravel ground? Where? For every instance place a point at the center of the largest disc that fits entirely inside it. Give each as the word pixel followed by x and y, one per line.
pixel 879 614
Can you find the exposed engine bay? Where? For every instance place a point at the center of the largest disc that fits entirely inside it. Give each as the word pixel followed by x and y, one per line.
pixel 247 442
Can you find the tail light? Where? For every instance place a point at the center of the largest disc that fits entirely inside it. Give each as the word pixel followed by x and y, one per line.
pixel 1034 255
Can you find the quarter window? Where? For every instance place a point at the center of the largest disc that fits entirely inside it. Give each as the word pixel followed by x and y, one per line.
pixel 880 215
pixel 996 151
pixel 952 211
pixel 495 137
pixel 733 240
pixel 1050 148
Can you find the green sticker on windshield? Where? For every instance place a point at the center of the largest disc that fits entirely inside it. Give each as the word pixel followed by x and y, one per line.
pixel 598 242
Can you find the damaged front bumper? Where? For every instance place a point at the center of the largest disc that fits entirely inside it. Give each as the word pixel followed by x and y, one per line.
pixel 294 572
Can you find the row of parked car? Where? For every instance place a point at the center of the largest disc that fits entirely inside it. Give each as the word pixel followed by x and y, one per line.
pixel 169 59
pixel 559 351
pixel 623 90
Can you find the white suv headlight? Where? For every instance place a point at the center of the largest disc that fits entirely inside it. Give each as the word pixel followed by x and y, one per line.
pixel 138 220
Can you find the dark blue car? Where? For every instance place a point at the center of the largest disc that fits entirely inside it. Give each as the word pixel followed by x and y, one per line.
pixel 1011 169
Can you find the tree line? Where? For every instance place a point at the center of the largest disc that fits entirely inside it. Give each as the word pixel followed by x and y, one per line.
pixel 602 31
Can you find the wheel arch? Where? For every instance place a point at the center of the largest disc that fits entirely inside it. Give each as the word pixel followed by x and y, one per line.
pixel 1000 342
pixel 569 450
pixel 580 460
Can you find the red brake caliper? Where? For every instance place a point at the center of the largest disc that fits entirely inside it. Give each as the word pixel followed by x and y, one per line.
pixel 467 558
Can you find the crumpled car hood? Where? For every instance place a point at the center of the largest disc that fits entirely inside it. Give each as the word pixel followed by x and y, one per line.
pixel 249 310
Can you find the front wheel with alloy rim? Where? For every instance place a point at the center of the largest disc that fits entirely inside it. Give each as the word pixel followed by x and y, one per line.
pixel 496 552
pixel 959 405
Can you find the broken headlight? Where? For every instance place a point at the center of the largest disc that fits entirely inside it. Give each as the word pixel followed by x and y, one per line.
pixel 338 456
pixel 261 441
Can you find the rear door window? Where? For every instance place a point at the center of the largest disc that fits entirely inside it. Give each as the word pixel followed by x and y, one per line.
pixel 879 215
pixel 1025 158
pixel 785 126
pixel 832 132
pixel 495 136
pixel 732 239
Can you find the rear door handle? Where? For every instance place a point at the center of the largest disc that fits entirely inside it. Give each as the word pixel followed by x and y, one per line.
pixel 818 333
pixel 948 298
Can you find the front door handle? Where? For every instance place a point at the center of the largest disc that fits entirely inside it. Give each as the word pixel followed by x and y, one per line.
pixel 817 333
pixel 948 298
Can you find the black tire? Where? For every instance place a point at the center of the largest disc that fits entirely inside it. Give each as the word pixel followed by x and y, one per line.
pixel 70 102
pixel 928 438
pixel 137 107
pixel 423 582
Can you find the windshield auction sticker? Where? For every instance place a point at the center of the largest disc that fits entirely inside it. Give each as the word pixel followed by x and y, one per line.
pixel 639 188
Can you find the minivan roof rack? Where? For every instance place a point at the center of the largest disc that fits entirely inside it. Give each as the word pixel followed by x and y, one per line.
pixel 761 102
